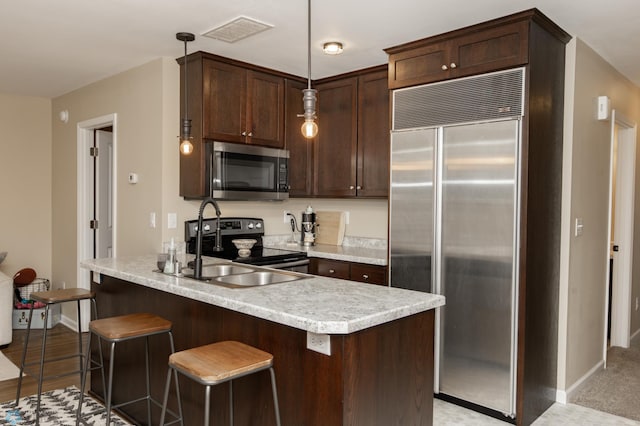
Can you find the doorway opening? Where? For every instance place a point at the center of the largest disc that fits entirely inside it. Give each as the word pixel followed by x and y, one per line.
pixel 96 196
pixel 620 242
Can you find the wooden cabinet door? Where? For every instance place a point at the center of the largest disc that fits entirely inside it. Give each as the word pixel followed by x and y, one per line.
pixel 372 274
pixel 330 268
pixel 265 110
pixel 336 144
pixel 373 135
pixel 421 65
pixel 493 49
pixel 300 148
pixel 224 101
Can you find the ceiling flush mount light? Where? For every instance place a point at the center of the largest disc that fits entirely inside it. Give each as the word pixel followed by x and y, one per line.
pixel 309 127
pixel 332 48
pixel 186 147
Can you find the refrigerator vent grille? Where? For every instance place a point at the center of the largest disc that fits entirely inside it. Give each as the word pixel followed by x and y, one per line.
pixel 465 100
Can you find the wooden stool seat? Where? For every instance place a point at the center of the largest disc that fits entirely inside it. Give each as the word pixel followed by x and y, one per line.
pixel 221 361
pixel 115 330
pixel 63 295
pixel 216 363
pixel 129 326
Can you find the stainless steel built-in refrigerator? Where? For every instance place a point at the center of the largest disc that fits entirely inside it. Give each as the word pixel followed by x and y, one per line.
pixel 454 216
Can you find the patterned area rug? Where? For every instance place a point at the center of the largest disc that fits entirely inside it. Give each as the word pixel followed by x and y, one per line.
pixel 57 407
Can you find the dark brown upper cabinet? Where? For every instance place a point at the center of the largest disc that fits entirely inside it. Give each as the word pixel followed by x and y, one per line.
pixel 490 46
pixel 242 105
pixel 228 101
pixel 351 151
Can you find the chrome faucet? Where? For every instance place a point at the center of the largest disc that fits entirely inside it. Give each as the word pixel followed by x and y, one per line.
pixel 197 267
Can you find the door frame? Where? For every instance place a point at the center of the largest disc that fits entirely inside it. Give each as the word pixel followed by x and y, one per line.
pixel 85 194
pixel 624 180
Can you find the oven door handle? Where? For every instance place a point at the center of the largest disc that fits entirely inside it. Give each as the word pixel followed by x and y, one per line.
pixel 288 264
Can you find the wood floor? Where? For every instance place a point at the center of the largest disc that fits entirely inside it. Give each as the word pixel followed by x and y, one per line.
pixel 61 341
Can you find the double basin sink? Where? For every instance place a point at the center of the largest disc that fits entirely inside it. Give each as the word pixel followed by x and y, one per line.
pixel 234 276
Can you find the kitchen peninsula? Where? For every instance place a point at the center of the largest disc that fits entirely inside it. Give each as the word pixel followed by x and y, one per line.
pixel 380 367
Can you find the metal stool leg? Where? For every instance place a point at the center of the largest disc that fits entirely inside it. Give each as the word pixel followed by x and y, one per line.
pixel 231 402
pixel 42 354
pixel 110 384
pixel 207 401
pixel 24 354
pixel 146 360
pixel 87 362
pixel 275 395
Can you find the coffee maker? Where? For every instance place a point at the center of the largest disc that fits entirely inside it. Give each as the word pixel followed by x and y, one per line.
pixel 308 228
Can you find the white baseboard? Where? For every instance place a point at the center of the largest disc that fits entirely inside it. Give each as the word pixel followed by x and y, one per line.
pixel 69 323
pixel 564 396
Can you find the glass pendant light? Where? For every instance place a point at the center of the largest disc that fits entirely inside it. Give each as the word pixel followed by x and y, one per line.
pixel 309 127
pixel 186 147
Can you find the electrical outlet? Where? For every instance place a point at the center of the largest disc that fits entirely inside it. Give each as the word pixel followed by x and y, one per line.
pixel 285 216
pixel 63 285
pixel 152 220
pixel 346 218
pixel 319 343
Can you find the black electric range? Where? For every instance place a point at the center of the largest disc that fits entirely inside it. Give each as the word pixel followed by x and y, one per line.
pixel 232 228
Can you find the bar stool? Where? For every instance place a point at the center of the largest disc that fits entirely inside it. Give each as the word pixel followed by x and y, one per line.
pixel 49 298
pixel 217 363
pixel 119 329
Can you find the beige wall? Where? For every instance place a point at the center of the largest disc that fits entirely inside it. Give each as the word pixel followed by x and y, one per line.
pixel 136 98
pixel 25 183
pixel 586 196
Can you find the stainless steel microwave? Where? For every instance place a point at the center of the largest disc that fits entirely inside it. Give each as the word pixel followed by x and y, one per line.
pixel 247 172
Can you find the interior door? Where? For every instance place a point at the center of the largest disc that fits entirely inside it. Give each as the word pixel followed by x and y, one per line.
pixel 103 196
pixel 478 184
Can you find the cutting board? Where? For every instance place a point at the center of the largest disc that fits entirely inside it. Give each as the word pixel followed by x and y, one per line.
pixel 330 228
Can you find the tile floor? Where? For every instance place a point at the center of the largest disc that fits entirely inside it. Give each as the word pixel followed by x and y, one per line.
pixel 446 414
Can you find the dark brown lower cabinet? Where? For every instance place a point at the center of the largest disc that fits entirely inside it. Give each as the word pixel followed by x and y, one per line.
pixel 361 272
pixel 382 375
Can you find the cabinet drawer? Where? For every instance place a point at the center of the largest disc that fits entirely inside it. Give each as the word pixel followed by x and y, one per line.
pixel 369 273
pixel 332 268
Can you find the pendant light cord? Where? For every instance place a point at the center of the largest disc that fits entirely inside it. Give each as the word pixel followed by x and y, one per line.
pixel 186 114
pixel 309 44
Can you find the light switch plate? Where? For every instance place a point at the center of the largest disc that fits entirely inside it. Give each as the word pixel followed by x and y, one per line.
pixel 172 221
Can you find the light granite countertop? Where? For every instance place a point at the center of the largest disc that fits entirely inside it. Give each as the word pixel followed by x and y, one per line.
pixel 315 304
pixel 359 250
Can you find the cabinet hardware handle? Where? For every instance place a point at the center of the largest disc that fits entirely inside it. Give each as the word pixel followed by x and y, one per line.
pixel 352 187
pixel 332 271
pixel 444 68
pixel 365 276
pixel 453 65
pixel 250 134
pixel 244 133
pixel 358 187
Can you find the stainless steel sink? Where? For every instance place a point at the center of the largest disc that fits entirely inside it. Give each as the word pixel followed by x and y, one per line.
pixel 256 278
pixel 234 276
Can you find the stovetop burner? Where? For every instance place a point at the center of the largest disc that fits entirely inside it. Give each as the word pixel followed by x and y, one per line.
pixel 238 228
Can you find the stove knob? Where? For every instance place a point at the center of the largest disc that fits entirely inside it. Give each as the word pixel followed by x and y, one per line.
pixel 258 225
pixel 250 225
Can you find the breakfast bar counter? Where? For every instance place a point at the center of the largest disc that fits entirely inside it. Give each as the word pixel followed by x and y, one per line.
pixel 345 353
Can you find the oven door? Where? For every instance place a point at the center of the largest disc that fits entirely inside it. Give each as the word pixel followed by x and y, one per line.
pixel 293 266
pixel 247 172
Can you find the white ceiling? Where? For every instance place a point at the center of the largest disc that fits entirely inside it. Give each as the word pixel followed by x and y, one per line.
pixel 50 48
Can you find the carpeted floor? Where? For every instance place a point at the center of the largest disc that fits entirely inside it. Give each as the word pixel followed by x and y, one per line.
pixel 57 407
pixel 616 389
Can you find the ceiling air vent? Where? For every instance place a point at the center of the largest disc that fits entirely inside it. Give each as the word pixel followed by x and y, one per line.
pixel 239 28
